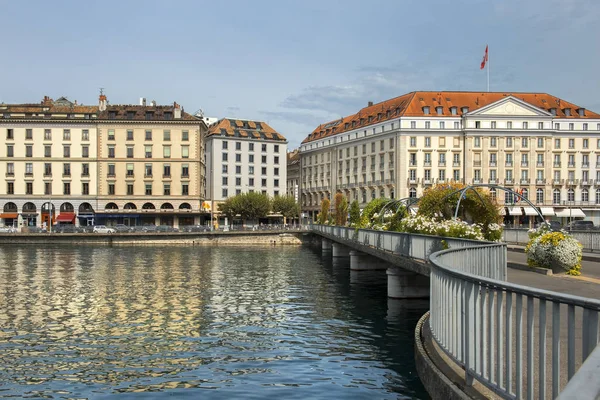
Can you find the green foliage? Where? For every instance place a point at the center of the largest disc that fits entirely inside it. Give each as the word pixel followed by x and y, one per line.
pixel 341 209
pixel 231 207
pixel 247 205
pixel 477 206
pixel 397 218
pixel 323 217
pixel 286 206
pixel 354 213
pixel 374 207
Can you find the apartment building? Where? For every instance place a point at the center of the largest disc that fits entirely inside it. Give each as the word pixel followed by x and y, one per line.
pixel 542 146
pixel 48 153
pixel 244 156
pixel 150 165
pixel 293 174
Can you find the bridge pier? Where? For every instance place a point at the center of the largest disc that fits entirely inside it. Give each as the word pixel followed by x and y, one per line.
pixel 325 245
pixel 404 284
pixel 363 262
pixel 339 250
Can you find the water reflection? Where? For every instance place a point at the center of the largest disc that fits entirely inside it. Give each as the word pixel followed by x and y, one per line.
pixel 85 322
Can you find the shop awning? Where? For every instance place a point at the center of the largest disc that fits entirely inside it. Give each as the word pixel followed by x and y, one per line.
pixel 570 213
pixel 9 215
pixel 530 211
pixel 547 211
pixel 515 211
pixel 65 217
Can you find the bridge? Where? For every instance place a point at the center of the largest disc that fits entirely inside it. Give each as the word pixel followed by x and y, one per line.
pixel 490 337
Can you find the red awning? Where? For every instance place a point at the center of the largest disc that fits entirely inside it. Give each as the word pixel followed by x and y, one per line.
pixel 65 217
pixel 9 215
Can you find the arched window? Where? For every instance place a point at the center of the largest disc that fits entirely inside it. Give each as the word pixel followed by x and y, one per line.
pixel 392 194
pixel 29 207
pixel 185 206
pixel 493 194
pixel 67 207
pixel 130 206
pixel 539 196
pixel 597 196
pixel 571 195
pixel 585 195
pixel 509 198
pixel 525 193
pixel 372 194
pixel 85 208
pixel 412 193
pixel 166 206
pixel 148 206
pixel 111 206
pixel 382 193
pixel 364 196
pixel 11 207
pixel 556 196
pixel 47 206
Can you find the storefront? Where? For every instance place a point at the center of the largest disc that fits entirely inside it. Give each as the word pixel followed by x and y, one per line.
pixel 9 219
pixel 65 218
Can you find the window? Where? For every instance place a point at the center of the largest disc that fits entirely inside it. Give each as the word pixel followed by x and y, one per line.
pixel 540 143
pixel 28 169
pixel 263 147
pixel 111 170
pixel 476 141
pixel 47 169
pixel 238 181
pixel 66 169
pixel 251 146
pixel 224 192
pixel 148 151
pixel 66 187
pixel 10 150
pixel 10 169
pixel 263 182
pixel 493 142
pixel 47 187
pixel 148 189
pixel 28 150
pixel 166 135
pixel 525 125
pixel 85 188
pixel 238 169
pixel 85 135
pixel 539 196
pixel 166 151
pixel 413 124
pixel 276 171
pixel 148 135
pixel 276 148
pixel 167 189
pixel 238 157
pixel 263 171
pixel 185 170
pixel 276 159
pixel 47 134
pixel 540 125
pixel 85 151
pixel 224 168
pixel 166 170
pixel 597 196
pixel 130 189
pixel 129 151
pixel 224 157
pixel 264 159
pixel 570 195
pixel 66 134
pixel 111 134
pixel 427 125
pixel 276 182
pixel 509 142
pixel 185 136
pixel 571 126
pixel 557 143
pixel 111 188
pixel 442 125
pixel 456 125
pixel 524 142
pixel 28 134
pixel 477 124
pixel 585 195
pixel 111 151
pixel 412 174
pixel 148 170
pixel 47 151
pixel 413 141
pixel 493 124
pixel 571 143
pixel 185 189
pixel 129 170
pixel 129 134
pixel 85 169
pixel 412 193
pixel 251 182
pixel 391 143
pixel 586 143
pixel 427 142
pixel 251 170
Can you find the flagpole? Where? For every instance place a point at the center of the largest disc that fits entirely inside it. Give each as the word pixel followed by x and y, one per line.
pixel 488 70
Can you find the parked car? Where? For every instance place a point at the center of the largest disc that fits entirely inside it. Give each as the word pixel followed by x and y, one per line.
pixel 8 229
pixel 122 228
pixel 103 229
pixel 579 226
pixel 36 229
pixel 67 228
pixel 147 228
pixel 166 228
pixel 554 225
pixel 194 228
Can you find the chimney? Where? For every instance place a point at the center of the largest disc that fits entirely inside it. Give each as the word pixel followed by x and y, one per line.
pixel 369 104
pixel 143 101
pixel 153 103
pixel 102 102
pixel 177 111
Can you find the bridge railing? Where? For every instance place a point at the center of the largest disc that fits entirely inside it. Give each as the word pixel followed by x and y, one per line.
pixel 590 240
pixel 419 247
pixel 519 341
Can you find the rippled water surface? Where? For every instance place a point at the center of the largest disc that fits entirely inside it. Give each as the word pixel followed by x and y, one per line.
pixel 146 322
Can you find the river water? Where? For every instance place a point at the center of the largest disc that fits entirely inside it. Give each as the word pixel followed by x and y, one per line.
pixel 200 322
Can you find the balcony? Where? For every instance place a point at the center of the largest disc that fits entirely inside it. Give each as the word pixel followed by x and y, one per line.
pixel 585 165
pixel 427 181
pixel 347 170
pixel 540 181
pixel 476 181
pixel 508 164
pixel 132 176
pixel 492 181
pixel 391 164
pixel 148 175
pixel 524 164
pixel 492 163
pixel 585 182
pixel 539 164
pixel 10 174
pixel 508 181
pixel 524 181
pixel 477 163
pixel 442 164
pixel 110 175
pixel 557 181
pixel 66 174
pixel 412 163
pixel 47 174
pixel 571 165
pixel 381 165
pixel 427 164
pixel 456 164
pixel 372 167
pixel 556 164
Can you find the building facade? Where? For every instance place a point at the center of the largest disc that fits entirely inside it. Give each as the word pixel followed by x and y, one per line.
pixel 85 165
pixel 244 156
pixel 537 144
pixel 293 175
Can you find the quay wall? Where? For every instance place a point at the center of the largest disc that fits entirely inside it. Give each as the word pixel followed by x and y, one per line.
pixel 270 238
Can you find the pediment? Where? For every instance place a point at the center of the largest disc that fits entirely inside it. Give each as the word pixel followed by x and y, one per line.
pixel 510 106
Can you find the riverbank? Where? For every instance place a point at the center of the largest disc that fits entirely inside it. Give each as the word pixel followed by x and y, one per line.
pixel 242 238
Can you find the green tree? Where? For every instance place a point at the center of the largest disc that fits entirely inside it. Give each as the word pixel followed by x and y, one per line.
pixel 341 209
pixel 323 217
pixel 231 207
pixel 354 213
pixel 254 205
pixel 286 206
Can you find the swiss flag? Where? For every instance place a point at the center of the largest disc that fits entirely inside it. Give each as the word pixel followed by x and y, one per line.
pixel 485 58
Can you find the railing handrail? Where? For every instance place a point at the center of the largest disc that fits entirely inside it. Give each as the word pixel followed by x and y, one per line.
pixel 564 298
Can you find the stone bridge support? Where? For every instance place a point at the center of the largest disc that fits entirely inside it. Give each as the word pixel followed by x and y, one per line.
pixel 339 250
pixel 404 284
pixel 325 245
pixel 364 262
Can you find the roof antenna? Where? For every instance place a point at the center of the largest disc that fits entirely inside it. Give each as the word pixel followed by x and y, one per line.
pixel 101 91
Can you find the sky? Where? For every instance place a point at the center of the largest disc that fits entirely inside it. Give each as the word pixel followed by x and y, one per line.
pixel 294 64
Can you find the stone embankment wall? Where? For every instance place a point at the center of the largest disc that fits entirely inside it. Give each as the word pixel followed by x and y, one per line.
pixel 182 239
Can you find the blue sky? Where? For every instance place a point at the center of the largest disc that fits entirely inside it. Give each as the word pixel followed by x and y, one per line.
pixel 295 64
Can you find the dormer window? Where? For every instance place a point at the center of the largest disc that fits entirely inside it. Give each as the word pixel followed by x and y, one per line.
pixel 553 111
pixel 112 114
pixel 439 110
pixel 370 119
pixel 168 115
pixel 130 114
pixel 567 112
pixel 464 110
pixel 378 116
pixel 426 110
pixel 346 125
pixel 353 123
pixel 148 115
pixel 581 112
pixel 453 110
pixel 387 114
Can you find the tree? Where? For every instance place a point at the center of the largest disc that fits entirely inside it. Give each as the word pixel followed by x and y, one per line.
pixel 286 206
pixel 231 207
pixel 323 217
pixel 254 205
pixel 354 213
pixel 341 209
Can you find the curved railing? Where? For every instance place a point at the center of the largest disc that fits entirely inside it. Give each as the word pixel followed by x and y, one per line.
pixel 519 341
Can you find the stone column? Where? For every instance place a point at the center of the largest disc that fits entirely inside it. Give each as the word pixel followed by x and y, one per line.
pixel 404 284
pixel 325 244
pixel 363 262
pixel 339 250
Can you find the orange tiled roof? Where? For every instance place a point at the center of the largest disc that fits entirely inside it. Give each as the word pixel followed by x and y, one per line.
pixel 411 105
pixel 244 128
